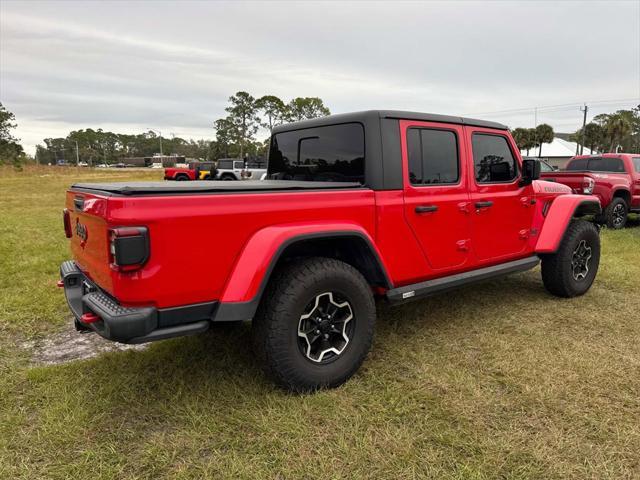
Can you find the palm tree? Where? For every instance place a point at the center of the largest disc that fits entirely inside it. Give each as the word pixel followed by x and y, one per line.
pixel 617 128
pixel 544 134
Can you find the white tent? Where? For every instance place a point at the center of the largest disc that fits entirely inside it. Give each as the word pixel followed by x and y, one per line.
pixel 557 149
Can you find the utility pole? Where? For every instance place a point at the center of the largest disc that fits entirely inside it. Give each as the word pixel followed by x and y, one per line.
pixel 535 125
pixel 584 124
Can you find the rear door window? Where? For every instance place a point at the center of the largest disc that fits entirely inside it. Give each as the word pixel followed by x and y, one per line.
pixel 332 153
pixel 493 160
pixel 636 163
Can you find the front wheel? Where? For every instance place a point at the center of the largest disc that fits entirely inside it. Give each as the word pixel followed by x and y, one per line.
pixel 315 324
pixel 571 270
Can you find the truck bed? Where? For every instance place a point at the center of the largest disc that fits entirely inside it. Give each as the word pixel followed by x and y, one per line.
pixel 207 186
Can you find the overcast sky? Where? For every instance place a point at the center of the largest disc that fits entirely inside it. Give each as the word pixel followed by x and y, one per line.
pixel 130 66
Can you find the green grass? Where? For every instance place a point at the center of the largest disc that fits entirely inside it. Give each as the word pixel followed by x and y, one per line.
pixel 498 380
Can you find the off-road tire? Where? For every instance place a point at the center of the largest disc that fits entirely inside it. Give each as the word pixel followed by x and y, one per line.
pixel 611 215
pixel 227 177
pixel 275 326
pixel 558 273
pixel 181 178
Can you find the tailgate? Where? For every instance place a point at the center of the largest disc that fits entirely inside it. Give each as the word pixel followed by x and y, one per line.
pixel 89 236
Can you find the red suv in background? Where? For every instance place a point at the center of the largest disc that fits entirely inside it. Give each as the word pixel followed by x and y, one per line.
pixel 612 177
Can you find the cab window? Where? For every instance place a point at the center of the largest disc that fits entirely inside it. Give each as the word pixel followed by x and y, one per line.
pixel 331 153
pixel 606 165
pixel 579 164
pixel 432 156
pixel 493 160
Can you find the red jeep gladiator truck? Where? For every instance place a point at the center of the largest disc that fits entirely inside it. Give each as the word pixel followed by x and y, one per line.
pixel 612 177
pixel 388 204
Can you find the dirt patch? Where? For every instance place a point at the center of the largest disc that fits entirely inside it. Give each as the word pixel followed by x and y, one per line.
pixel 69 345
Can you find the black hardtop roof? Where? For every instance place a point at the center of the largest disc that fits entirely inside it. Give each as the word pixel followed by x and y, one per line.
pixel 369 115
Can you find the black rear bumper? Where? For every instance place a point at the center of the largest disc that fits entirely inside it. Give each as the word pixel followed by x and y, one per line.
pixel 130 324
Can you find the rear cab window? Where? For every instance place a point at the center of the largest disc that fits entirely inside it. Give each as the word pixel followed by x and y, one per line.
pixel 597 164
pixel 606 165
pixel 493 159
pixel 577 165
pixel 331 153
pixel 636 163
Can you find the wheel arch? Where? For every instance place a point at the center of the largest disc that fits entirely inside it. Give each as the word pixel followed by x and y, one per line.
pixel 558 217
pixel 622 193
pixel 273 246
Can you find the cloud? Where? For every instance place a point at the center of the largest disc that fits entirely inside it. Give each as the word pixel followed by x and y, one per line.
pixel 172 66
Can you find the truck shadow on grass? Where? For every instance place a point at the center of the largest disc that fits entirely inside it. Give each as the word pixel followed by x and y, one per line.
pixel 220 364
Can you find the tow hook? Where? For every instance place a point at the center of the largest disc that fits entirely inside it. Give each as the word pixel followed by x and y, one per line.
pixel 89 318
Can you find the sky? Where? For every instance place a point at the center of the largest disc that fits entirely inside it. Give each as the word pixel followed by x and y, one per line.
pixel 170 66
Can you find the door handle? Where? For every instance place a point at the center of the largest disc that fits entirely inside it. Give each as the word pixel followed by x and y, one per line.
pixel 486 204
pixel 426 208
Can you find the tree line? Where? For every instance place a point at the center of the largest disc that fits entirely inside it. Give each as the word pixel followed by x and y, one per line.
pixel 607 132
pixel 235 134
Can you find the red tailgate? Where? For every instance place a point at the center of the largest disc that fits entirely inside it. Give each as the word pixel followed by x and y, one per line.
pixel 89 236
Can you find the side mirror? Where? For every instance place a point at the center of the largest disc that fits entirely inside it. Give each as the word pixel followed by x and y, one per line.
pixel 530 171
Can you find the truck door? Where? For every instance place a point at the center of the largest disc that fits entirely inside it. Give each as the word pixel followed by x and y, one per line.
pixel 436 196
pixel 502 209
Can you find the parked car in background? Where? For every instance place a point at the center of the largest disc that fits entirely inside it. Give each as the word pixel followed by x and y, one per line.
pixel 229 169
pixel 190 172
pixel 83 164
pixel 544 166
pixel 254 170
pixel 612 177
pixel 424 204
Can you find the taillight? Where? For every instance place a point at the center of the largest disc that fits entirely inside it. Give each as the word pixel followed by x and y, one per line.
pixel 128 248
pixel 587 185
pixel 66 218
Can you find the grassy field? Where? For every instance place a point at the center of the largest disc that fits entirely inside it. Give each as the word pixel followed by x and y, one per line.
pixel 498 380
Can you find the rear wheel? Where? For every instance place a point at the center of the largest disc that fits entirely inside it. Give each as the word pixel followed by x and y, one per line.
pixel 315 324
pixel 182 178
pixel 227 177
pixel 571 270
pixel 615 215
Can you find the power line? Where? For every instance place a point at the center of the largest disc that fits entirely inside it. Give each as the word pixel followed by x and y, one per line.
pixel 558 106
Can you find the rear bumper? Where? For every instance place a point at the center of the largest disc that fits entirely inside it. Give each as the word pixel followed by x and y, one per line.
pixel 130 324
